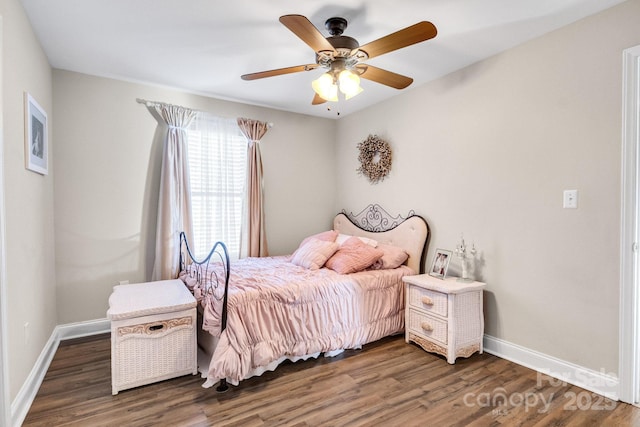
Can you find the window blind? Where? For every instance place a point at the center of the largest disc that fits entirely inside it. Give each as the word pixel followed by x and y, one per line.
pixel 217 169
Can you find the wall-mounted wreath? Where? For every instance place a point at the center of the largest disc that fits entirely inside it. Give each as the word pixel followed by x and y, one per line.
pixel 374 158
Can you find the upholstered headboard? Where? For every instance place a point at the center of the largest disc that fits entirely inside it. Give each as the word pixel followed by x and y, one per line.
pixel 411 233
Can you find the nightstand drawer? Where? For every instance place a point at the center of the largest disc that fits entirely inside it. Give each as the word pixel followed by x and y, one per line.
pixel 428 300
pixel 427 326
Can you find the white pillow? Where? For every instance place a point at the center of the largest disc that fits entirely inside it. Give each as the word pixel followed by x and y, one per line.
pixel 344 237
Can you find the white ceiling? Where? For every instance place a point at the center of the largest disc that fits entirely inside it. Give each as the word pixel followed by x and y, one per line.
pixel 204 46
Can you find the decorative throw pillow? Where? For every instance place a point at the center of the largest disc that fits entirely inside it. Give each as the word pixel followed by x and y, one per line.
pixel 392 257
pixel 354 255
pixel 314 253
pixel 344 237
pixel 329 236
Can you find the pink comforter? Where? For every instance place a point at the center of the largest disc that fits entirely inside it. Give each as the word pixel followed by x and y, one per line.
pixel 277 309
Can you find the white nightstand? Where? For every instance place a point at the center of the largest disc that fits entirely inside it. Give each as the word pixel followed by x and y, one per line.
pixel 444 316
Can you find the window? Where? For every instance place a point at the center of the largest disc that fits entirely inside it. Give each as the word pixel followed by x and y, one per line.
pixel 217 169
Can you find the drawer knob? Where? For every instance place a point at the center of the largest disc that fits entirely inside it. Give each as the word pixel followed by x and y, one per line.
pixel 427 301
pixel 426 326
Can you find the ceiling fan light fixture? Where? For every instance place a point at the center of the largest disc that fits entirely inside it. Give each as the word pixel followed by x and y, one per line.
pixel 349 83
pixel 326 87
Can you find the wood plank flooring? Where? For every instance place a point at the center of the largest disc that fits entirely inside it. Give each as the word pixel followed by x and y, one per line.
pixel 387 383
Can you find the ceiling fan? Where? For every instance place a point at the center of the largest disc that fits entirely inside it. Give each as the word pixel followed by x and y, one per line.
pixel 343 57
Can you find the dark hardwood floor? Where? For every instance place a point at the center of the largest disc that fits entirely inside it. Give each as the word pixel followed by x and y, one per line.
pixel 387 383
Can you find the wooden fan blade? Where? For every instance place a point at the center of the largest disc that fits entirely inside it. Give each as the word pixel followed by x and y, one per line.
pixel 279 71
pixel 308 33
pixel 387 78
pixel 417 33
pixel 317 99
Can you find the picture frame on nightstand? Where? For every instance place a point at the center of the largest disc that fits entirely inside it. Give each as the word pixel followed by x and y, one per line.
pixel 440 263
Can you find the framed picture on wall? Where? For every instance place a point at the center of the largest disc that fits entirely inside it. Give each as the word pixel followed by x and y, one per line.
pixel 440 263
pixel 36 148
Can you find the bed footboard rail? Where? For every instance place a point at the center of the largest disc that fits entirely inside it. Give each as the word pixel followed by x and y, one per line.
pixel 209 278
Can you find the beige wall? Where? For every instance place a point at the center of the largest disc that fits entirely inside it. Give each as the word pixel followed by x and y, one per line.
pixel 30 270
pixel 487 151
pixel 108 173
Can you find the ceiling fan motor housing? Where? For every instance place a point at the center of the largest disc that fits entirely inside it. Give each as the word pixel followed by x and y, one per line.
pixel 336 27
pixel 344 46
pixel 343 42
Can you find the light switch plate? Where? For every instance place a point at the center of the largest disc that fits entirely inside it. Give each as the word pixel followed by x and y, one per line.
pixel 570 199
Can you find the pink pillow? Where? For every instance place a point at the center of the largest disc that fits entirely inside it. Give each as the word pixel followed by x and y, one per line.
pixel 354 255
pixel 329 236
pixel 314 253
pixel 392 257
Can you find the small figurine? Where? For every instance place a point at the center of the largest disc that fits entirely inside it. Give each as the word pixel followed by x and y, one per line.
pixel 465 256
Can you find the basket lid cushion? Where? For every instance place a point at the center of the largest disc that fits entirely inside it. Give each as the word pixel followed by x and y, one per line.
pixel 143 299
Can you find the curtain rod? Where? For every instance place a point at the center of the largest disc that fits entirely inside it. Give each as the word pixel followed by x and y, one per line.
pixel 156 103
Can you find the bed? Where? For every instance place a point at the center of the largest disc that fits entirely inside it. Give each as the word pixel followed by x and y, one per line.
pixel 255 313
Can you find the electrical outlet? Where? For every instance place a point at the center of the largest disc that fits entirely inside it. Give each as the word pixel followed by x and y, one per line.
pixel 570 199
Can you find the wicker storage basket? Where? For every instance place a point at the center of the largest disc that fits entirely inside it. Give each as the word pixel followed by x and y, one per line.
pixel 153 333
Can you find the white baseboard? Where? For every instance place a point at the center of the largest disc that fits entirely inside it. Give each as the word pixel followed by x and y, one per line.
pixel 21 404
pixel 605 384
pixel 83 329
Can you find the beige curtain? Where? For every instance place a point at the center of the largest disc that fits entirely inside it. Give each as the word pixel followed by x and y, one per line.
pixel 174 202
pixel 253 241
